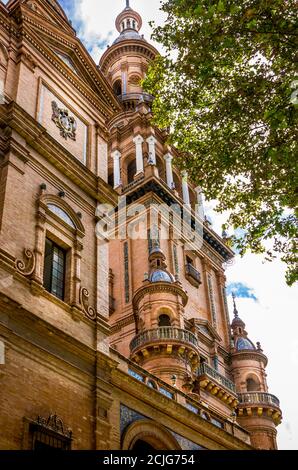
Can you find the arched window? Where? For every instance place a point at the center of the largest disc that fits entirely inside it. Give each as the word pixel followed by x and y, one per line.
pixel 134 24
pixel 128 23
pixel 117 87
pixel 252 385
pixel 131 171
pixel 164 320
pixel 61 214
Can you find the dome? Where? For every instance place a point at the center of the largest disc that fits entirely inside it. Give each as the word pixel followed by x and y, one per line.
pixel 129 35
pixel 243 344
pixel 160 276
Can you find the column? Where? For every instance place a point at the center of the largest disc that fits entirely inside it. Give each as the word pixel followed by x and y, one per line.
pixel 200 202
pixel 138 141
pixel 116 157
pixel 151 141
pixel 185 190
pixel 169 170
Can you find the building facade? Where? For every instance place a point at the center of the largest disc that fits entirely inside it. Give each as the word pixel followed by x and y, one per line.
pixel 109 342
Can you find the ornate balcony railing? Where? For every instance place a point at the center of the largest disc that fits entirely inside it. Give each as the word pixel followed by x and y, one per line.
pixel 258 398
pixel 204 369
pixel 192 274
pixel 164 333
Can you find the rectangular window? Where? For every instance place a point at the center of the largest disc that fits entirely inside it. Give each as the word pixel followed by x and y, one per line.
pixel 54 269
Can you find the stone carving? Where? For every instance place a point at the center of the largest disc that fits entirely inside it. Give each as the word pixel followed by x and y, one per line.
pixel 26 268
pixel 67 124
pixel 89 311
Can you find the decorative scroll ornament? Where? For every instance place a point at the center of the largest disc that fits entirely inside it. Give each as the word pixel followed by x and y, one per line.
pixel 89 311
pixel 67 124
pixel 54 423
pixel 26 268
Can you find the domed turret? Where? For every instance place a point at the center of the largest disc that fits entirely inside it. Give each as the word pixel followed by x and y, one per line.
pixel 128 23
pixel 241 341
pixel 125 63
pixel 158 267
pixel 162 343
pixel 258 411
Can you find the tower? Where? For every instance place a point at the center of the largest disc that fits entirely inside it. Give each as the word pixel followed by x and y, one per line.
pixel 126 61
pixel 258 411
pixel 162 342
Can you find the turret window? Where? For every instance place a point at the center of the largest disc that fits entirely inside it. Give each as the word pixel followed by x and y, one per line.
pixel 252 385
pixel 117 87
pixel 164 320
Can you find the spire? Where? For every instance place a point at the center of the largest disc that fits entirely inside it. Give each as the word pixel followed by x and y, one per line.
pixel 236 315
pixel 128 20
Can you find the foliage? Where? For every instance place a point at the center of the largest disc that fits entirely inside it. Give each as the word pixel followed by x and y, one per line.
pixel 225 88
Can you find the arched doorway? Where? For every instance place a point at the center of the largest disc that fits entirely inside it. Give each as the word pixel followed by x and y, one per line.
pixel 142 446
pixel 143 433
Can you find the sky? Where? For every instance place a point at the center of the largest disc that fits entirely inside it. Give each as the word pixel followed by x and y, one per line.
pixel 264 301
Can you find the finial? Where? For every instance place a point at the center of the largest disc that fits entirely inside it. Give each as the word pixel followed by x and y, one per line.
pixel 127 4
pixel 235 307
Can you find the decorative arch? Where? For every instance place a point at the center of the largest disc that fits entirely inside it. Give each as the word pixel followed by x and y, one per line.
pixel 165 311
pixel 52 200
pixel 150 432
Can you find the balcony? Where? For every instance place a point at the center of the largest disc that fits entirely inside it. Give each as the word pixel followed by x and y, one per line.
pixel 164 334
pixel 259 404
pixel 204 369
pixel 258 398
pixel 218 385
pixel 192 275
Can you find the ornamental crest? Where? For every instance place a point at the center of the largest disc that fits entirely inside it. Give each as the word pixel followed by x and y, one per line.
pixel 67 124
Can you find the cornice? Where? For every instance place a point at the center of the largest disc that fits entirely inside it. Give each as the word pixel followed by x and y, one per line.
pixel 141 47
pixel 250 354
pixel 172 288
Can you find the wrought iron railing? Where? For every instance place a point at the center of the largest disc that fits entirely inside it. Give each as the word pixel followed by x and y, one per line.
pixel 258 398
pixel 204 369
pixel 193 272
pixel 163 333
